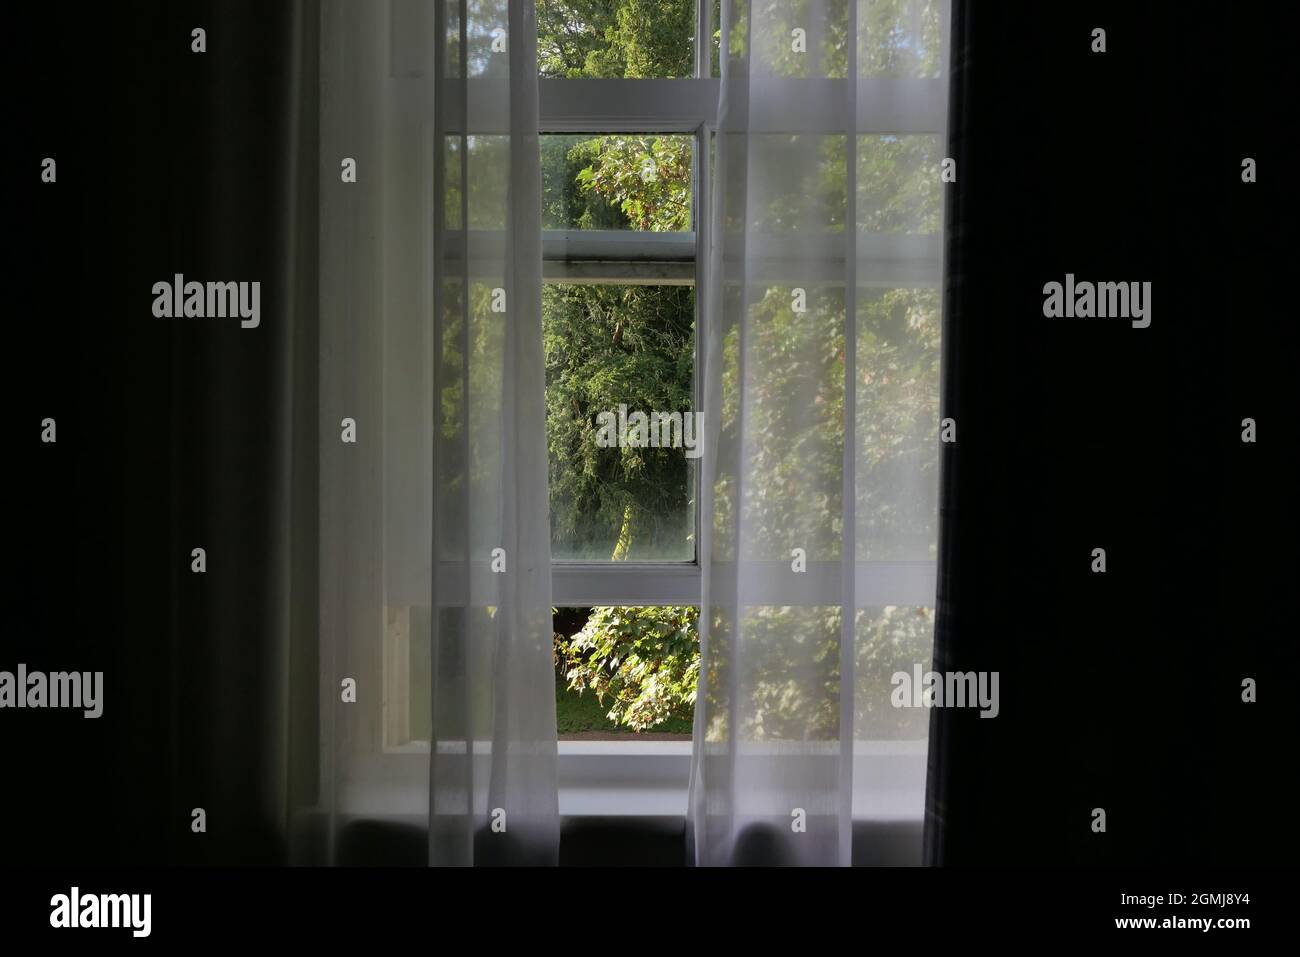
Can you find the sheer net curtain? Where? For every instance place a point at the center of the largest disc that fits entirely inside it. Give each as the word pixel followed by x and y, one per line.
pixel 821 379
pixel 434 572
pixel 493 789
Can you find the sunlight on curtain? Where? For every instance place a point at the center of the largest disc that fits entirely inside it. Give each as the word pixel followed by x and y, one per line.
pixel 823 326
pixel 493 790
pixel 434 534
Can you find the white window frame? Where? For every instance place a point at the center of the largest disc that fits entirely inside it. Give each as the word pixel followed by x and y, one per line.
pixel 689 107
pixel 649 778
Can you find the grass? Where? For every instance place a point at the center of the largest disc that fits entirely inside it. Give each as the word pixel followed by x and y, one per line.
pixel 576 712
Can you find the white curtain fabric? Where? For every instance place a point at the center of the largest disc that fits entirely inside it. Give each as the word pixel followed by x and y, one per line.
pixel 821 389
pixel 493 790
pixel 434 528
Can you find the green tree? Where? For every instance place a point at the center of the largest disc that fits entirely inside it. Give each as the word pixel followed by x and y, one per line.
pixel 607 345
pixel 643 662
pixel 631 39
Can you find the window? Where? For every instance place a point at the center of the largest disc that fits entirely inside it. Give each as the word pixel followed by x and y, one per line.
pixel 628 102
pixel 624 103
pixel 597 258
pixel 615 353
pixel 618 331
pixel 619 321
pixel 600 256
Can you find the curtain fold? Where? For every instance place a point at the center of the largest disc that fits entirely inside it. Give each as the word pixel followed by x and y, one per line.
pixel 493 788
pixel 821 430
pixel 435 677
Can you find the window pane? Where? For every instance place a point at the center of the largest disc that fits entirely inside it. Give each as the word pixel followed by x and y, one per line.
pixel 896 38
pixel 898 424
pixel 900 38
pixel 899 186
pixel 715 40
pixel 485 24
pixel 623 181
pixel 900 213
pixel 621 432
pixel 888 640
pixel 487 166
pixel 641 39
pixel 784 184
pixel 626 671
pixel 793 405
pixel 765 31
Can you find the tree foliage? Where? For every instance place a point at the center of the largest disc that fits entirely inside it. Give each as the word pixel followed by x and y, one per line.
pixel 607 345
pixel 631 39
pixel 645 662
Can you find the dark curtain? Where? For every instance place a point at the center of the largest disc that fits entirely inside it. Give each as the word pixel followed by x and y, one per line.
pixel 172 433
pixel 1121 690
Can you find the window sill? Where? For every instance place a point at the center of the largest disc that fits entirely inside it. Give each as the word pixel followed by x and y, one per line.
pixel 630 779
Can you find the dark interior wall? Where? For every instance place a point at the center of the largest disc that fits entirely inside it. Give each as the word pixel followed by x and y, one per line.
pixel 172 433
pixel 1119 690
